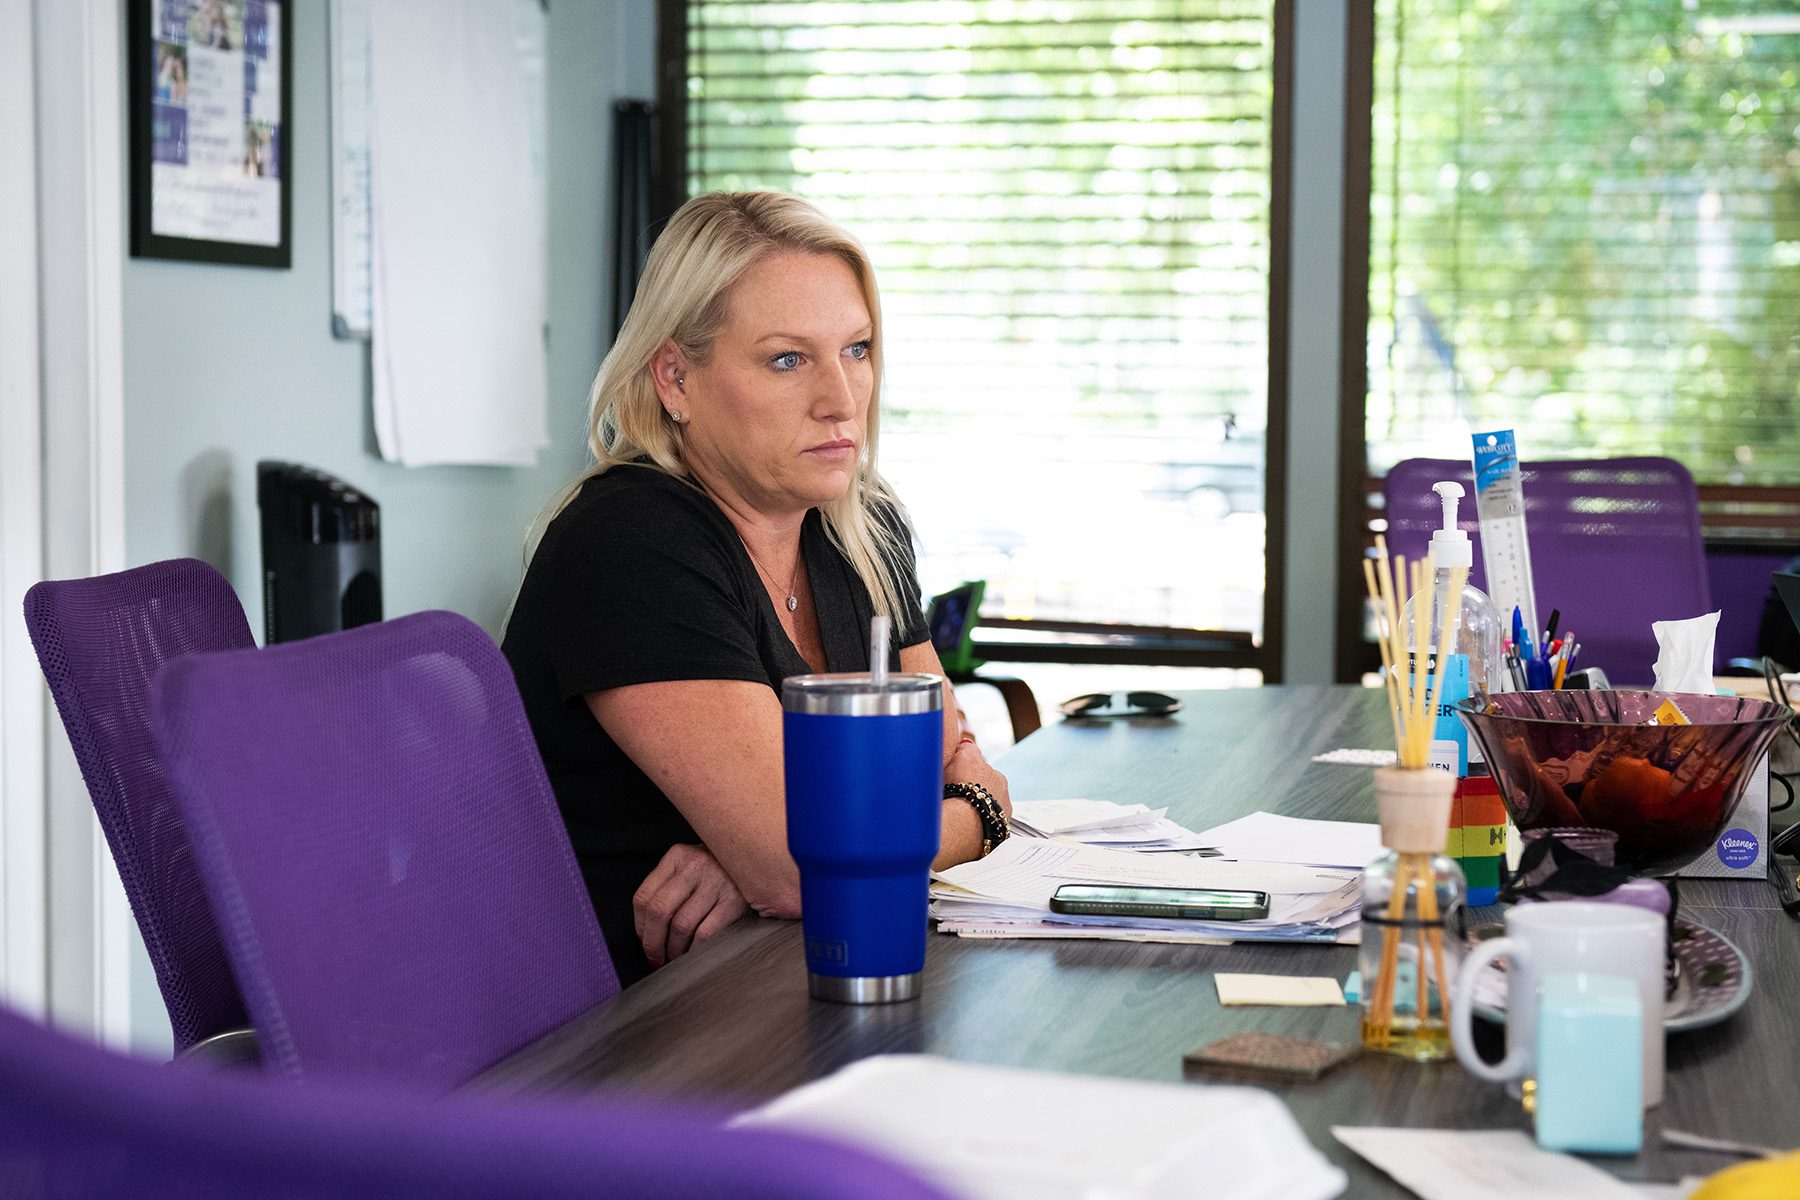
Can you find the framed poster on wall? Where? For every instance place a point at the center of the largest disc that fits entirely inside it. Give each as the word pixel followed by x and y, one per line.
pixel 211 111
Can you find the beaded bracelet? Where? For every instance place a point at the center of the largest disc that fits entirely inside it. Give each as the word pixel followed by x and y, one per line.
pixel 994 826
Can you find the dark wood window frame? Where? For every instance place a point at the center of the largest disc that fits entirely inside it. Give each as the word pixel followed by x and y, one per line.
pixel 1036 641
pixel 1734 518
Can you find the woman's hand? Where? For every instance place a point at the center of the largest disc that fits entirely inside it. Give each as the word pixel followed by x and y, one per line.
pixel 969 765
pixel 684 901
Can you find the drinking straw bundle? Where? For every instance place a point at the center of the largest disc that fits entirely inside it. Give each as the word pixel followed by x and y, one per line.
pixel 1414 695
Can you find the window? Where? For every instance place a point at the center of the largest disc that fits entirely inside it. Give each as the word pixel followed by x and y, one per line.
pixel 1067 205
pixel 1586 226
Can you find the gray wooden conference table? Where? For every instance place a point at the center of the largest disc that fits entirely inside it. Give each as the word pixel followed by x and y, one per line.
pixel 732 1020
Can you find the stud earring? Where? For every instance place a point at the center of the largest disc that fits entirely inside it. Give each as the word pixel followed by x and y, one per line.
pixel 675 415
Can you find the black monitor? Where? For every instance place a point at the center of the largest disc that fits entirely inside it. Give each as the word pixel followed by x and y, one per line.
pixel 951 620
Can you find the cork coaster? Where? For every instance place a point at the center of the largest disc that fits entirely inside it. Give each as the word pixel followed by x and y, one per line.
pixel 1270 1056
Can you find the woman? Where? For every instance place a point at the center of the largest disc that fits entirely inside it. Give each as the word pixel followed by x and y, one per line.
pixel 733 531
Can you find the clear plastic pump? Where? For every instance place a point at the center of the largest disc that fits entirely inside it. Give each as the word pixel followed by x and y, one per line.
pixel 1478 630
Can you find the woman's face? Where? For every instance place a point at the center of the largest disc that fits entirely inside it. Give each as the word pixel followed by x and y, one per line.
pixel 777 418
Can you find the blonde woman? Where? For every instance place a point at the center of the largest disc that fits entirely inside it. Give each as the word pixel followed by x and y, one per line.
pixel 732 532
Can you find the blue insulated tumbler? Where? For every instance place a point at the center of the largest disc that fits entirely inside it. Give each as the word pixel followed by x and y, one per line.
pixel 865 789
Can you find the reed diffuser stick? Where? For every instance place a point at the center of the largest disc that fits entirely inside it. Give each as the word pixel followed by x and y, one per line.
pixel 1389 682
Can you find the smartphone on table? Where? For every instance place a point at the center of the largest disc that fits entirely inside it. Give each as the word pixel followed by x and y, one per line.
pixel 1196 904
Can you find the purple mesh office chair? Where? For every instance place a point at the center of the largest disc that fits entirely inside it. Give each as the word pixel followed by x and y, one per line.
pixel 81 1123
pixel 1615 545
pixel 100 642
pixel 377 834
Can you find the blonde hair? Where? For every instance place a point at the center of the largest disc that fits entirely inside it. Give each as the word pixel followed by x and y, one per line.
pixel 684 297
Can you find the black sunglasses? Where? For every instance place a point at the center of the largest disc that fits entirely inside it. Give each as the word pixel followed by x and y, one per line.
pixel 1137 704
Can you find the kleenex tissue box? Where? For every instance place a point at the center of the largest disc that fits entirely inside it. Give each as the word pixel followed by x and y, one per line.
pixel 1742 850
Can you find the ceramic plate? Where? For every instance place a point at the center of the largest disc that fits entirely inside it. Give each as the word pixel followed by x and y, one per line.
pixel 1712 978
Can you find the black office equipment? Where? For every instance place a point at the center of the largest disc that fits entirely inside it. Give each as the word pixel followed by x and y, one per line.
pixel 321 552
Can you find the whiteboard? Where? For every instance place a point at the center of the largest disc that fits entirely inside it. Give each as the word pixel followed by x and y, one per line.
pixel 352 313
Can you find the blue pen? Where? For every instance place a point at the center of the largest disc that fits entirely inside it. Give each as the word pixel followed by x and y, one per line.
pixel 1519 639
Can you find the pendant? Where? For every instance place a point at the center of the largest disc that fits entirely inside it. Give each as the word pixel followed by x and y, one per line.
pixel 793 603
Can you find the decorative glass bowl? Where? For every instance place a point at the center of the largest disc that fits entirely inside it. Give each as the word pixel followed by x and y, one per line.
pixel 1589 759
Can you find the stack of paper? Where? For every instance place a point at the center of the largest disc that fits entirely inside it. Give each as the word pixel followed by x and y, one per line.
pixel 1007 894
pixel 1268 837
pixel 1103 823
pixel 1046 1136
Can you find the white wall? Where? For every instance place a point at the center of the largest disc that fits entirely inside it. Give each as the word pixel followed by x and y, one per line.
pixel 228 365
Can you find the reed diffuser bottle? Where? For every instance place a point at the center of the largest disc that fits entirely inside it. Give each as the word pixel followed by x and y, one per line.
pixel 1413 894
pixel 1412 900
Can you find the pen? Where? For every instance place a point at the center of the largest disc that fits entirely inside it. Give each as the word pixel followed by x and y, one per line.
pixel 1550 629
pixel 1520 641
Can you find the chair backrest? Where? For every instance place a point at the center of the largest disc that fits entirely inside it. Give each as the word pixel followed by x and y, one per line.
pixel 81 1123
pixel 1615 545
pixel 100 642
pixel 376 831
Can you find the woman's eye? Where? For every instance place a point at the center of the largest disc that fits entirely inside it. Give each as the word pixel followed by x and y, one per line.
pixel 786 361
pixel 862 349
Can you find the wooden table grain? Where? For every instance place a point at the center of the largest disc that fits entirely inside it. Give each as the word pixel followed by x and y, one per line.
pixel 732 1021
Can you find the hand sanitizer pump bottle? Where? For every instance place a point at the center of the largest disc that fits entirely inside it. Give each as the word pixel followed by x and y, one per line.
pixel 1477 633
pixel 1473 667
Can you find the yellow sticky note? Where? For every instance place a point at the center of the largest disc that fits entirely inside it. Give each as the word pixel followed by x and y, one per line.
pixel 1290 990
pixel 1668 714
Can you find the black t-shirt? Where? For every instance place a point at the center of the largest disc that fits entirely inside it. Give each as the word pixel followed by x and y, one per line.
pixel 642 579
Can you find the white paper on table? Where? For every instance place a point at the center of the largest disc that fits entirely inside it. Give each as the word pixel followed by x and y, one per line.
pixel 1271 838
pixel 1043 1135
pixel 1451 1164
pixel 1284 990
pixel 1358 757
pixel 1025 871
pixel 1333 908
pixel 1056 818
pixel 1010 929
pixel 1157 832
pixel 1211 933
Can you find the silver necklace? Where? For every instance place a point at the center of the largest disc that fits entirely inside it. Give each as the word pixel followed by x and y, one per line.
pixel 793 597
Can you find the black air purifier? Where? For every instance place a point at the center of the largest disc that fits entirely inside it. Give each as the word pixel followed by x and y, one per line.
pixel 321 552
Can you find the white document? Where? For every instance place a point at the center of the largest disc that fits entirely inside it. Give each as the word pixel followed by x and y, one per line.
pixel 1023 871
pixel 1103 823
pixel 458 236
pixel 1040 1135
pixel 1007 894
pixel 1358 757
pixel 1055 818
pixel 1267 837
pixel 1450 1164
pixel 1289 991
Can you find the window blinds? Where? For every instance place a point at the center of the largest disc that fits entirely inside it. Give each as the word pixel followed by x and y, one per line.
pixel 1066 202
pixel 1586 226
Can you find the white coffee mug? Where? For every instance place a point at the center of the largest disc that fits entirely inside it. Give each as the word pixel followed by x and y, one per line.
pixel 1572 937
